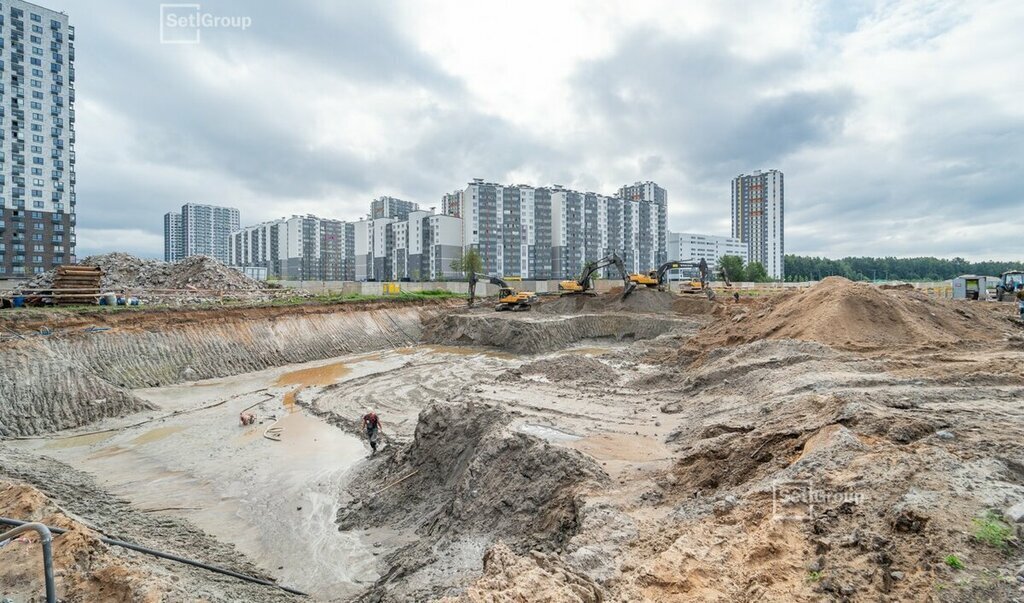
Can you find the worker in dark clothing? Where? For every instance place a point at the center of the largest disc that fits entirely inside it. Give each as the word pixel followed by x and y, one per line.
pixel 1020 299
pixel 371 425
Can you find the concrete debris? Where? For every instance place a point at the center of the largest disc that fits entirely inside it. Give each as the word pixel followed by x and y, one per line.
pixel 201 274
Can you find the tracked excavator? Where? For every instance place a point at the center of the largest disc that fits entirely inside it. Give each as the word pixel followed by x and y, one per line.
pixel 701 284
pixel 584 285
pixel 508 298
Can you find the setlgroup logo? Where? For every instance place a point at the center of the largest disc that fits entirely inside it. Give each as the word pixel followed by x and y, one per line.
pixel 801 500
pixel 184 23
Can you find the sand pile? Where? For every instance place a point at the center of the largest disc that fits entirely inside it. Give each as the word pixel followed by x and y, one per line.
pixel 850 315
pixel 85 569
pixel 125 271
pixel 534 577
pixel 642 300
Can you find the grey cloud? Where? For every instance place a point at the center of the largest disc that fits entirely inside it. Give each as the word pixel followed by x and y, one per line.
pixel 704 106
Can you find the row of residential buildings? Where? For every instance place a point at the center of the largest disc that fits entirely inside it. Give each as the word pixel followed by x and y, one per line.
pixel 519 231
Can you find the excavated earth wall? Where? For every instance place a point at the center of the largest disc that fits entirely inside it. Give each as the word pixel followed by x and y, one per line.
pixel 538 333
pixel 72 378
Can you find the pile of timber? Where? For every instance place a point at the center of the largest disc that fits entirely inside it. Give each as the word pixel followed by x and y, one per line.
pixel 77 284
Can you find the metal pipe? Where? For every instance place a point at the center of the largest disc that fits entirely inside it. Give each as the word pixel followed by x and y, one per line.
pixel 162 555
pixel 46 539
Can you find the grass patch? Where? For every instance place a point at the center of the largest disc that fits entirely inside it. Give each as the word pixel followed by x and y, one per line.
pixel 990 529
pixel 813 577
pixel 954 562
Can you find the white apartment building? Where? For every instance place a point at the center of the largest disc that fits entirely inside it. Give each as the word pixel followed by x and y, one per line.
pixel 550 232
pixel 710 248
pixel 297 248
pixel 173 244
pixel 758 218
pixel 421 247
pixel 206 230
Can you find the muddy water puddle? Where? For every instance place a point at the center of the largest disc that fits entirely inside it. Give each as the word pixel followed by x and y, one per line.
pixel 87 439
pixel 327 374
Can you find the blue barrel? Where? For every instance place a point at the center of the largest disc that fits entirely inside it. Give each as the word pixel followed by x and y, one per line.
pixel 18 301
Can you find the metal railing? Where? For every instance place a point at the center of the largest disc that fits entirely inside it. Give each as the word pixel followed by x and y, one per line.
pixel 46 539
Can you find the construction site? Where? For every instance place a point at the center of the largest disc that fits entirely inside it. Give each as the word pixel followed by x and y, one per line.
pixel 836 442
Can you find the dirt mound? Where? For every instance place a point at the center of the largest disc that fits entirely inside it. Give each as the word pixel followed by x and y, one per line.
pixel 536 577
pixel 583 370
pixel 85 569
pixel 529 333
pixel 850 315
pixel 642 300
pixel 125 271
pixel 464 482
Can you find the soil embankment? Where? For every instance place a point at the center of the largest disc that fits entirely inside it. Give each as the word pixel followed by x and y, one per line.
pixel 465 482
pixel 76 374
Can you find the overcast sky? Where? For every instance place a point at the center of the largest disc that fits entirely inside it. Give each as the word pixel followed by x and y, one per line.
pixel 899 125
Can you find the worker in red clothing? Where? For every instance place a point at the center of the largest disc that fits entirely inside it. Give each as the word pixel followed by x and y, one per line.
pixel 371 425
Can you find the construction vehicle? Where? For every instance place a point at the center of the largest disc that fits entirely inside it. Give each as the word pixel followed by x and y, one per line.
pixel 508 298
pixel 1009 281
pixel 584 285
pixel 698 282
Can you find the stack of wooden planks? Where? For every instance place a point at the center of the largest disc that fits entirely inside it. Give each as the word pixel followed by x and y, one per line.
pixel 77 284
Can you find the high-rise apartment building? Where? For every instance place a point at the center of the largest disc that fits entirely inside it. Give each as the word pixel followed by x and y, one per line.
pixel 297 248
pixel 420 248
pixel 550 232
pixel 174 248
pixel 37 121
pixel 390 207
pixel 206 230
pixel 652 220
pixel 451 204
pixel 758 218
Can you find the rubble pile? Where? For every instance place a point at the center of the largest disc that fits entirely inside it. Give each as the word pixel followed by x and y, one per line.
pixel 195 279
pixel 125 271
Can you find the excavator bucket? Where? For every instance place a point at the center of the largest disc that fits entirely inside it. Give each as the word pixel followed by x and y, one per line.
pixel 628 289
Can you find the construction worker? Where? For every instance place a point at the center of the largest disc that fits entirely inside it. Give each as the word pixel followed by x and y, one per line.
pixel 1020 299
pixel 371 425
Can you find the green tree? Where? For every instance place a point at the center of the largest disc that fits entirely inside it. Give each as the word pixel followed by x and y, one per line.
pixel 733 267
pixel 468 263
pixel 756 273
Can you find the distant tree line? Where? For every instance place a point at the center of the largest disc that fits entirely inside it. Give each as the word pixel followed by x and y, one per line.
pixel 804 268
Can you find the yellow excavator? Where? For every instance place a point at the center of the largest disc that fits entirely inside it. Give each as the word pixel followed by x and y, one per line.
pixel 584 285
pixel 508 298
pixel 696 284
